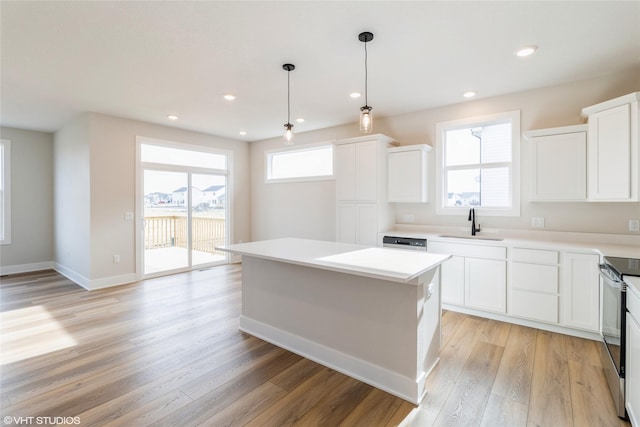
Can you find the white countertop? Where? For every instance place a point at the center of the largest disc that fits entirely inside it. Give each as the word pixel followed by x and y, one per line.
pixel 379 263
pixel 626 246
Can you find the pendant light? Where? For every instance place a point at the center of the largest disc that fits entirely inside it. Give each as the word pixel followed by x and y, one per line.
pixel 288 127
pixel 366 119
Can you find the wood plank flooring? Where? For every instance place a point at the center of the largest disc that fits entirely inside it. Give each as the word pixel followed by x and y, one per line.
pixel 167 352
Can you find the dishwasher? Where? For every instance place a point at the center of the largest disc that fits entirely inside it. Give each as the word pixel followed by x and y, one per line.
pixel 407 243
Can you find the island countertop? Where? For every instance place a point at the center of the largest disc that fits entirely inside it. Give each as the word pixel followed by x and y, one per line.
pixel 379 263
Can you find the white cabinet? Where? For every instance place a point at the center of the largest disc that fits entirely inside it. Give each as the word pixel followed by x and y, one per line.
pixel 632 380
pixel 558 163
pixel 612 149
pixel 452 280
pixel 362 209
pixel 581 291
pixel 474 277
pixel 534 284
pixel 356 171
pixel 485 284
pixel 407 173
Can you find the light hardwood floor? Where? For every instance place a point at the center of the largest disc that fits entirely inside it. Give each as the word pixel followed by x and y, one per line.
pixel 168 352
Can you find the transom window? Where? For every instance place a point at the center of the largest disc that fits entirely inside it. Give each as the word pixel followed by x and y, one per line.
pixel 478 165
pixel 305 164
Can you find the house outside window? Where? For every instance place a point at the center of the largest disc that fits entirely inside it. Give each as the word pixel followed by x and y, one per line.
pixel 478 165
pixel 5 192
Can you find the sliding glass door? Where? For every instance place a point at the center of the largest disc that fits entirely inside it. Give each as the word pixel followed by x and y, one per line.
pixel 184 204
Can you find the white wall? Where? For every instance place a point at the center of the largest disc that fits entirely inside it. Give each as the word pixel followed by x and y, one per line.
pixel 31 201
pixel 72 214
pixel 108 156
pixel 541 108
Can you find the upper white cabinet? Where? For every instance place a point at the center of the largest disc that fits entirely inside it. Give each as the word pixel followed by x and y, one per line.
pixel 558 163
pixel 613 154
pixel 407 173
pixel 362 209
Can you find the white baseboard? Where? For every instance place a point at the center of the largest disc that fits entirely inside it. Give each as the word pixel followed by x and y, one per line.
pixel 26 268
pixel 108 282
pixel 410 389
pixel 93 284
pixel 72 275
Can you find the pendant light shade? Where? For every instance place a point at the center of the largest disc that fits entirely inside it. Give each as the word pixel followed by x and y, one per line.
pixel 366 118
pixel 288 127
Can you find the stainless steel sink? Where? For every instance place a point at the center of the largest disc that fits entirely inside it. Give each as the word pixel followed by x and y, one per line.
pixel 451 236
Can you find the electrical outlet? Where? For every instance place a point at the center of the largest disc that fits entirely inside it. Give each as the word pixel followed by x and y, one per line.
pixel 537 222
pixel 128 216
pixel 408 218
pixel 634 225
pixel 116 259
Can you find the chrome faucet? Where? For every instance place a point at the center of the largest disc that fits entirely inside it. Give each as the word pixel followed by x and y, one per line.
pixel 472 218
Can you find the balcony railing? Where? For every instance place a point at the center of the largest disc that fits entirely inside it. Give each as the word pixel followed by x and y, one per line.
pixel 169 231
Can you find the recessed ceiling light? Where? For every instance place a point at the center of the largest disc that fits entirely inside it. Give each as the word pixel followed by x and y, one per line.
pixel 469 94
pixel 526 51
pixel 172 117
pixel 299 120
pixel 229 97
pixel 355 95
pixel 243 132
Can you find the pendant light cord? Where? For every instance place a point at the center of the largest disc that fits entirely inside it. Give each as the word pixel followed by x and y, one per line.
pixel 288 97
pixel 366 76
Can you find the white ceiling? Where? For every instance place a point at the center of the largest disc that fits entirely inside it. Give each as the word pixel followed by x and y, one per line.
pixel 145 60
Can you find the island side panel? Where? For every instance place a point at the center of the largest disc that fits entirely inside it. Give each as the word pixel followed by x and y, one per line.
pixel 368 328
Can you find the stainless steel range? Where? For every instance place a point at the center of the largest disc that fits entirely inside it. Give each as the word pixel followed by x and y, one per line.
pixel 613 323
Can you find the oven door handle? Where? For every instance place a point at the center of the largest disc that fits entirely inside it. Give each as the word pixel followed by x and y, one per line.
pixel 610 281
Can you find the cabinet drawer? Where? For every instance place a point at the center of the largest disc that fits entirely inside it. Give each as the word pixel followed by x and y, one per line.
pixel 536 256
pixel 476 251
pixel 534 305
pixel 534 277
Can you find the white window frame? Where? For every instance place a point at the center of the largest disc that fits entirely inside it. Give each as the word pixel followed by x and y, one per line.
pixel 268 156
pixel 5 192
pixel 514 165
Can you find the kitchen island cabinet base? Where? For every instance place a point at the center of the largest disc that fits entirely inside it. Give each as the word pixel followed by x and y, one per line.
pixel 384 333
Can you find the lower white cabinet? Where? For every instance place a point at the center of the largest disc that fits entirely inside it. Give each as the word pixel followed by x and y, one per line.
pixel 357 223
pixel 474 277
pixel 452 279
pixel 534 284
pixel 581 291
pixel 485 284
pixel 632 373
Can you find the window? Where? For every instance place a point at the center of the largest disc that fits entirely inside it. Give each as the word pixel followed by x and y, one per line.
pixel 5 192
pixel 305 164
pixel 478 165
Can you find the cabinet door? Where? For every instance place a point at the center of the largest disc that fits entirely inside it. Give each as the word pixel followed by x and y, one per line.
pixel 366 167
pixel 559 167
pixel 367 224
pixel 407 176
pixel 581 291
pixel 345 171
pixel 485 284
pixel 346 223
pixel 610 154
pixel 452 280
pixel 632 383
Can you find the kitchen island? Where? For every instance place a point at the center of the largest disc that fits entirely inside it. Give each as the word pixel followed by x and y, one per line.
pixel 370 313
